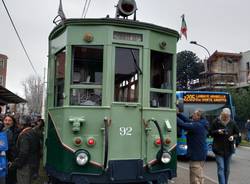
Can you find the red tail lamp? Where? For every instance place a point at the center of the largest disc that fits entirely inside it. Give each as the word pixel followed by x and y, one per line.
pixel 91 141
pixel 158 141
pixel 77 141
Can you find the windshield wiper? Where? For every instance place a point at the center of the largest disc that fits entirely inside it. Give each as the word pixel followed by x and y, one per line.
pixel 135 62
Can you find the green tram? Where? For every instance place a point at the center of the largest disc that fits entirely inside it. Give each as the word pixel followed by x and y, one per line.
pixel 111 115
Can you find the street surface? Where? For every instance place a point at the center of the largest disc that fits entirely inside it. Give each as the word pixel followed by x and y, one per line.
pixel 239 169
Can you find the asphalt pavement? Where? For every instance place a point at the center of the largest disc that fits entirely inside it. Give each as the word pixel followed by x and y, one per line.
pixel 183 177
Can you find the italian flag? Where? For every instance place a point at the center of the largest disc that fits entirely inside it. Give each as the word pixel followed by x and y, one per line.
pixel 183 27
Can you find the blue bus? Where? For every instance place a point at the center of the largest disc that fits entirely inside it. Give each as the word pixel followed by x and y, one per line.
pixel 211 103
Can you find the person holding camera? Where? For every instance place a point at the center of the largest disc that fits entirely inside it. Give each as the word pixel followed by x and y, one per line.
pixel 224 130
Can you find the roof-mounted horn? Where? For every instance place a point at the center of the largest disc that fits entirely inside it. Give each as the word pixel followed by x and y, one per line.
pixel 126 8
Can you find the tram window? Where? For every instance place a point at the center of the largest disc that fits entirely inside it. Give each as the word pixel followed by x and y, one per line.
pixel 87 65
pixel 126 74
pixel 161 70
pixel 59 77
pixel 86 97
pixel 160 99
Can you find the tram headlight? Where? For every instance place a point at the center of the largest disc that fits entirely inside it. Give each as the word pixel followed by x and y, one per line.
pixel 165 157
pixel 82 157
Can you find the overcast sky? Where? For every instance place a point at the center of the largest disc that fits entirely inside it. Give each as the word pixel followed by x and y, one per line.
pixel 216 24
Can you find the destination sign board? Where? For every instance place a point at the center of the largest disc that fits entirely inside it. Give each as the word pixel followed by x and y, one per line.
pixel 204 98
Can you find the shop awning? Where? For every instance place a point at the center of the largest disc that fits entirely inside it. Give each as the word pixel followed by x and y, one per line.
pixel 7 97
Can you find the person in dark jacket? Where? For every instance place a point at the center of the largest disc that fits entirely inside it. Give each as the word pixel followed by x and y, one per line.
pixel 196 142
pixel 248 130
pixel 224 130
pixel 37 132
pixel 25 151
pixel 10 127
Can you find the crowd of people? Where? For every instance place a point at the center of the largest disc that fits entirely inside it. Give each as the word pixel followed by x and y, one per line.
pixel 20 148
pixel 224 131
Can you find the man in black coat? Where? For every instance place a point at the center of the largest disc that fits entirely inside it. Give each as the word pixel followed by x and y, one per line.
pixel 224 130
pixel 26 151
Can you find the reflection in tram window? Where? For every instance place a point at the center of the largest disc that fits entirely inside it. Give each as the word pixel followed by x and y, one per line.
pixel 126 75
pixel 87 65
pixel 85 97
pixel 160 99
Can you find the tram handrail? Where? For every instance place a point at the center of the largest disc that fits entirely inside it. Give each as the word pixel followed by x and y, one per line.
pixel 106 142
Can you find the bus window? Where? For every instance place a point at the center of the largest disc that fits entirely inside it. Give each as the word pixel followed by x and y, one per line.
pixel 59 78
pixel 126 74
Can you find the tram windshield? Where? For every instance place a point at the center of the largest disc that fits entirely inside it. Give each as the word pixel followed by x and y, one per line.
pixel 126 74
pixel 87 72
pixel 87 65
pixel 161 79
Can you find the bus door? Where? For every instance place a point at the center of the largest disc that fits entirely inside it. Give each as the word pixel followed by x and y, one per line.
pixel 126 127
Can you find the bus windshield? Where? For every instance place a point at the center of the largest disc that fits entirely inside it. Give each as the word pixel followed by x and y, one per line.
pixel 210 111
pixel 210 103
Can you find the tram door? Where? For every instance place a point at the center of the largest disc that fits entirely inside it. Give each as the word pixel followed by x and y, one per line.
pixel 126 127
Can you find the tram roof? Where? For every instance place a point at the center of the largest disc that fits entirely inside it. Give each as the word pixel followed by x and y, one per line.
pixel 7 97
pixel 113 22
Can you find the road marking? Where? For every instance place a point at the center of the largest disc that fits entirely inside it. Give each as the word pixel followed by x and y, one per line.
pixel 244 147
pixel 207 177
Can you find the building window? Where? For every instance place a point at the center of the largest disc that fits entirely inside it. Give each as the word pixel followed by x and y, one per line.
pixel 1 63
pixel 248 71
pixel 248 66
pixel 1 80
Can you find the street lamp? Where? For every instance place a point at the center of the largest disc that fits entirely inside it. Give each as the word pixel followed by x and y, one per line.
pixel 208 65
pixel 195 43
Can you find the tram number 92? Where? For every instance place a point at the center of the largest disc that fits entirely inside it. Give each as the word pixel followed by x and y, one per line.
pixel 126 131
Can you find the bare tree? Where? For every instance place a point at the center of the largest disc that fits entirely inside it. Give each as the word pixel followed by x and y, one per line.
pixel 33 90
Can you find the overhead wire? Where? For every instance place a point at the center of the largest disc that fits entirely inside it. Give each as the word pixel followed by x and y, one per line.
pixel 84 8
pixel 26 53
pixel 87 8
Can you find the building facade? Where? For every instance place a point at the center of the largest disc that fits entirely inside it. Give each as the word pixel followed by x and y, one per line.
pixel 222 70
pixel 3 69
pixel 244 73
